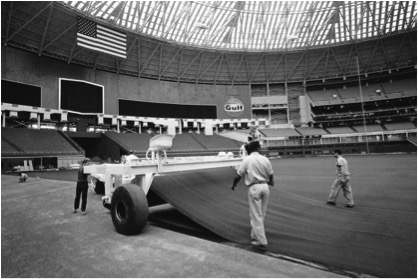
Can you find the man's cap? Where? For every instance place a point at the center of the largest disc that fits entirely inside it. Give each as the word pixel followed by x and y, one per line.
pixel 252 146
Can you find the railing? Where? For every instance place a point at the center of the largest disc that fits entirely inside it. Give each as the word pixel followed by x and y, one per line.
pixel 383 136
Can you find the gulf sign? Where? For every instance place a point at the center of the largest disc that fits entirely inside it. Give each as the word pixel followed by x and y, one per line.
pixel 234 107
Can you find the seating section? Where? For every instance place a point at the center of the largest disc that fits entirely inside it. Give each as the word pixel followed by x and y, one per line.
pixel 372 92
pixel 131 141
pixel 370 128
pixel 217 143
pixel 399 126
pixel 321 96
pixel 39 142
pixel 406 86
pixel 349 94
pixel 340 130
pixel 284 132
pixel 8 149
pixel 307 131
pixel 238 135
pixel 186 142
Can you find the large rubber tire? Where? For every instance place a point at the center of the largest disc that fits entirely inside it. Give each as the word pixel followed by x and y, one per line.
pixel 129 209
pixel 99 187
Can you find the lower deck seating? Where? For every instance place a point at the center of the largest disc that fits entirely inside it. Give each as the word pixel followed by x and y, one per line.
pixel 31 141
pixel 8 149
pixel 307 131
pixel 394 126
pixel 131 141
pixel 284 132
pixel 370 128
pixel 216 142
pixel 340 130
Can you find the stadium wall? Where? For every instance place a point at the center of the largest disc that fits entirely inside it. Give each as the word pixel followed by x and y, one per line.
pixel 25 67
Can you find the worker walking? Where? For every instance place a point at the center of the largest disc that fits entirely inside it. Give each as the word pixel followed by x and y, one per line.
pixel 82 188
pixel 342 181
pixel 258 173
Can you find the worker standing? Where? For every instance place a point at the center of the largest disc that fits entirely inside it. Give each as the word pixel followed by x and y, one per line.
pixel 82 188
pixel 258 173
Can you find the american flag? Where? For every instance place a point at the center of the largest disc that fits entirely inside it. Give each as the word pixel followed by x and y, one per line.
pixel 99 38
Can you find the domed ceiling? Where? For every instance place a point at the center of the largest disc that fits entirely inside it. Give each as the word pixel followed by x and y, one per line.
pixel 256 25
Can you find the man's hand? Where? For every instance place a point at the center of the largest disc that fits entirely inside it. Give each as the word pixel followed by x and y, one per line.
pixel 235 182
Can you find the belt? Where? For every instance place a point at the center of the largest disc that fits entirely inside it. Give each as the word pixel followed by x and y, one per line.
pixel 258 182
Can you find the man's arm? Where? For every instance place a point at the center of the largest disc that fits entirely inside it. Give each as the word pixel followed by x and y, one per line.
pixel 235 182
pixel 271 180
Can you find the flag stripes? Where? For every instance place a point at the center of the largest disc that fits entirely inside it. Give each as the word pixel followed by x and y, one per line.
pixel 100 38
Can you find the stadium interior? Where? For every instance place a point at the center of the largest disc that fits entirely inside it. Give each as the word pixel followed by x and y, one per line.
pixel 306 94
pixel 310 76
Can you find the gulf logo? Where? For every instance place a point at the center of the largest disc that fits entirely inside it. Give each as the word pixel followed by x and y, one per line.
pixel 234 107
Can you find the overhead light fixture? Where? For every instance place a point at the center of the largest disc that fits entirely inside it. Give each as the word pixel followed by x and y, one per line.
pixel 201 25
pixel 292 37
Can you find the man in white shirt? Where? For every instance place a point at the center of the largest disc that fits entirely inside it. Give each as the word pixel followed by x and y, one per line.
pixel 341 182
pixel 258 176
pixel 131 159
pixel 23 177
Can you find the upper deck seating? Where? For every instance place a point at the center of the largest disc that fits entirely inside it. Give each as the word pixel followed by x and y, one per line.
pixel 350 93
pixel 326 97
pixel 45 142
pixel 406 86
pixel 371 92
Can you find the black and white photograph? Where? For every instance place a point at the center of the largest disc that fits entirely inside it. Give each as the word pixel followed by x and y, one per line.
pixel 208 139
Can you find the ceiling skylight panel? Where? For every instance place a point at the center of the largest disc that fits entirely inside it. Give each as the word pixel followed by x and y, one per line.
pixel 79 5
pixel 157 21
pixel 252 28
pixel 176 31
pixel 220 22
pixel 258 29
pixel 198 27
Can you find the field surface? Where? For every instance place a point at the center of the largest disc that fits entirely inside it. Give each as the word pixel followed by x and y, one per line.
pixel 377 237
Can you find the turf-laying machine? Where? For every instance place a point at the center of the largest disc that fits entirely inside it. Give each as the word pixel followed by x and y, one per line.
pixel 127 201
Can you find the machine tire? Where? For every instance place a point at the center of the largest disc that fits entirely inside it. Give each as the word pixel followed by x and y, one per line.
pixel 99 186
pixel 129 209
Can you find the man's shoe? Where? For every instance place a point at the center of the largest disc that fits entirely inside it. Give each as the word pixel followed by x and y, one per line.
pixel 83 212
pixel 350 205
pixel 331 203
pixel 74 210
pixel 258 245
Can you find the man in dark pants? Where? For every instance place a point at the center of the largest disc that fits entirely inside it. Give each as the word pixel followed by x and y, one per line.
pixel 82 188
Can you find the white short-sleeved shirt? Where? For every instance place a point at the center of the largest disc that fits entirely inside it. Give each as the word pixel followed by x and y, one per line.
pixel 131 159
pixel 342 166
pixel 256 168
